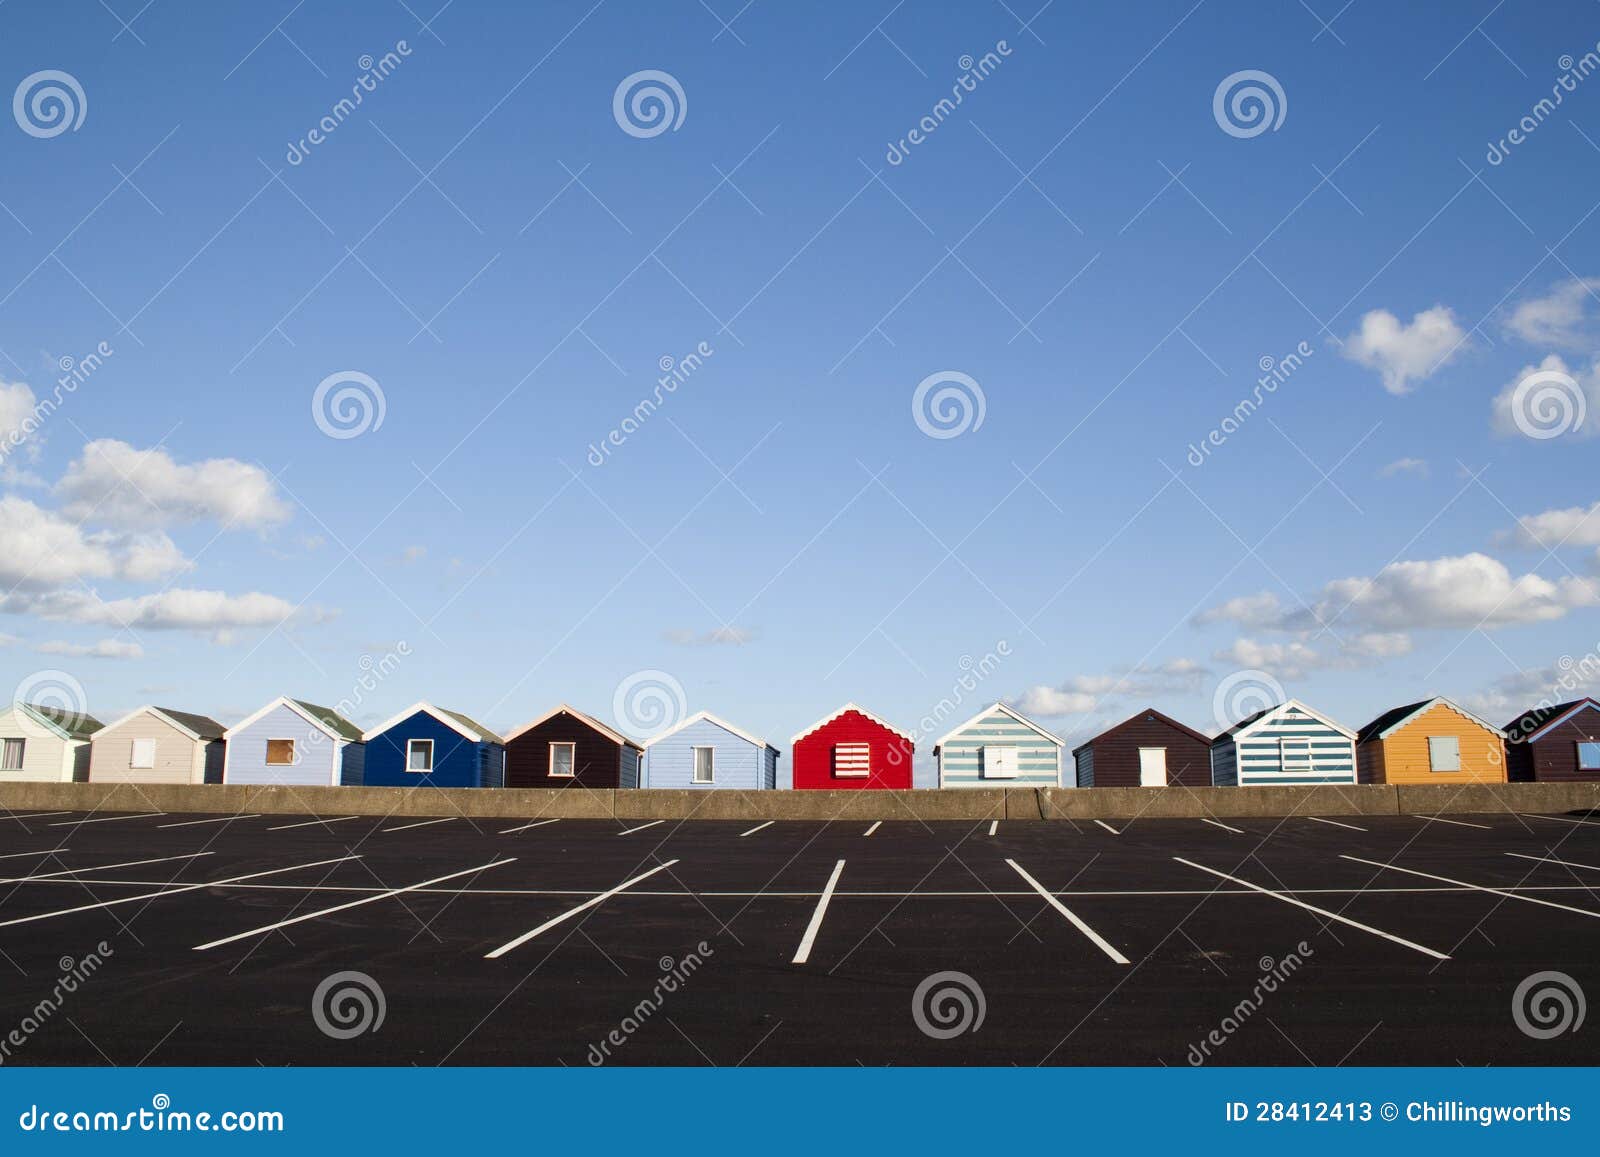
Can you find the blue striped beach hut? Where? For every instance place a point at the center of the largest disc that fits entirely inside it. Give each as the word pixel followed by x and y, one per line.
pixel 1289 743
pixel 999 747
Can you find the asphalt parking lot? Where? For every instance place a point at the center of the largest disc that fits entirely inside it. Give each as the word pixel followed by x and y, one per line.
pixel 687 943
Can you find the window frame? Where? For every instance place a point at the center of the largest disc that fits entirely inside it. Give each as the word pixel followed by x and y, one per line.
pixel 1433 761
pixel 711 762
pixel 1581 744
pixel 134 762
pixel 1306 763
pixel 294 753
pixel 572 764
pixel 418 743
pixel 22 752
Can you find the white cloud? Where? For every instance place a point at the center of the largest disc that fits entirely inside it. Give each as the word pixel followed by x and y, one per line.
pixel 1296 658
pixel 178 609
pixel 41 549
pixel 1405 354
pixel 1563 317
pixel 114 483
pixel 1049 702
pixel 1555 406
pixel 104 649
pixel 718 636
pixel 1417 466
pixel 8 640
pixel 17 418
pixel 1082 694
pixel 1262 610
pixel 1574 526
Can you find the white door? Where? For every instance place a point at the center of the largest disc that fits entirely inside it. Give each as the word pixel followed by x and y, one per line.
pixel 999 762
pixel 1152 767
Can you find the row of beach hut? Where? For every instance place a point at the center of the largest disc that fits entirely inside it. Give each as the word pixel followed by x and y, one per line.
pixel 290 741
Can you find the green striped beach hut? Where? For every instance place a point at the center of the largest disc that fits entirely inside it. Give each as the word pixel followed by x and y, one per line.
pixel 999 748
pixel 1289 743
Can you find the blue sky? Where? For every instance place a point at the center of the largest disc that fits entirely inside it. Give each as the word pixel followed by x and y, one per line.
pixel 1080 237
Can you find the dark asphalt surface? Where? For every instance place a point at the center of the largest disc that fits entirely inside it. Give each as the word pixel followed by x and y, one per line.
pixel 912 900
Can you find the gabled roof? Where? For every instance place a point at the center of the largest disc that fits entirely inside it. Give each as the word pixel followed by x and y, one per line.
pixel 1534 723
pixel 326 719
pixel 609 732
pixel 197 727
pixel 1250 722
pixel 1138 715
pixel 1004 710
pixel 465 726
pixel 1389 722
pixel 859 710
pixel 709 718
pixel 66 724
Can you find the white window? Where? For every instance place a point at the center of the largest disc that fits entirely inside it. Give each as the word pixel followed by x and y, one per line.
pixel 11 754
pixel 280 752
pixel 999 762
pixel 1294 754
pixel 1444 753
pixel 1589 757
pixel 704 764
pixel 142 753
pixel 419 756
pixel 851 760
pixel 1152 767
pixel 563 759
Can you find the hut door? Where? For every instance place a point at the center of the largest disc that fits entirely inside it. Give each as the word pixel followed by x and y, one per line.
pixel 1152 767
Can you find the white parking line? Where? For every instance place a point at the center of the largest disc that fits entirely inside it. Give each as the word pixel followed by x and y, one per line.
pixel 755 829
pixel 1529 815
pixel 571 912
pixel 101 868
pixel 351 904
pixel 170 892
pixel 107 819
pixel 1335 823
pixel 1475 887
pixel 994 826
pixel 640 828
pixel 1098 940
pixel 312 823
pixel 421 824
pixel 876 824
pixel 217 820
pixel 1313 908
pixel 1458 823
pixel 1553 860
pixel 35 815
pixel 525 827
pixel 1223 826
pixel 1108 827
pixel 803 953
pixel 20 855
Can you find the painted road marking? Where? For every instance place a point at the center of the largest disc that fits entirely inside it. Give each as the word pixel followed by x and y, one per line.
pixel 107 819
pixel 571 912
pixel 421 824
pixel 1458 823
pixel 1476 887
pixel 309 823
pixel 1529 815
pixel 170 891
pixel 218 820
pixel 37 815
pixel 755 829
pixel 876 824
pixel 19 855
pixel 351 904
pixel 1108 827
pixel 994 826
pixel 1223 826
pixel 525 827
pixel 803 953
pixel 640 828
pixel 1553 860
pixel 1049 897
pixel 1335 823
pixel 1313 908
pixel 102 868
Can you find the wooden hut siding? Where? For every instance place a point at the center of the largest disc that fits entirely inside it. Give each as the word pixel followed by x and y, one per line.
pixel 48 756
pixel 1550 755
pixel 889 754
pixel 1114 758
pixel 737 762
pixel 320 760
pixel 1252 752
pixel 458 760
pixel 1083 763
pixel 599 761
pixel 961 753
pixel 1224 766
pixel 176 756
pixel 1395 748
